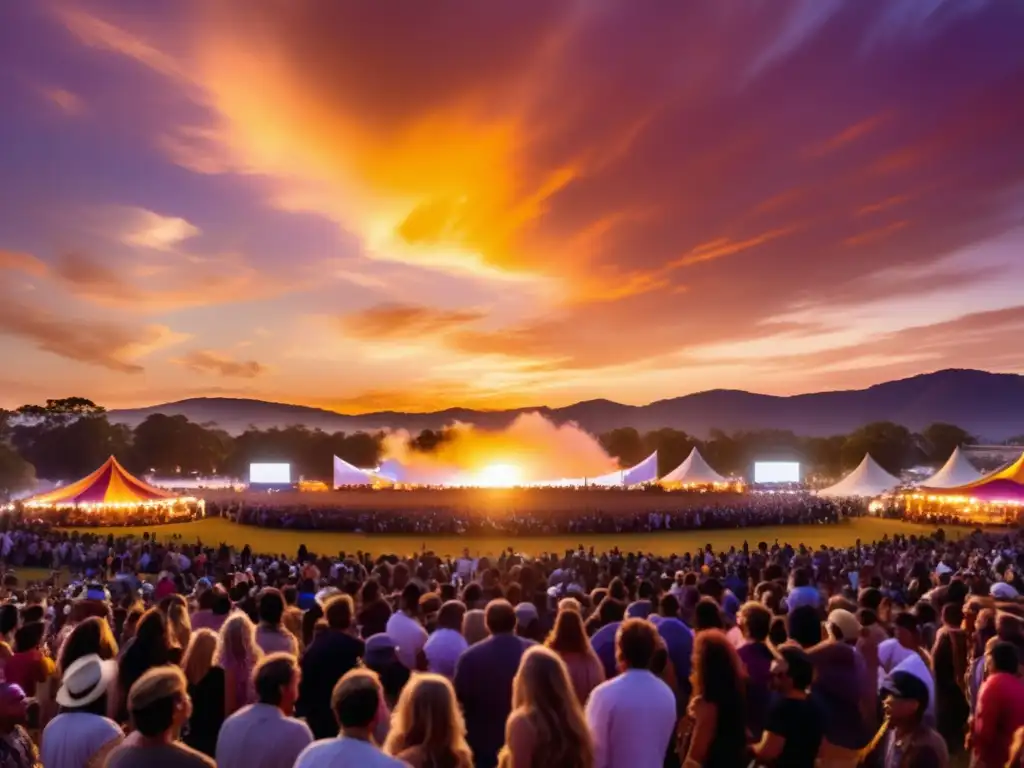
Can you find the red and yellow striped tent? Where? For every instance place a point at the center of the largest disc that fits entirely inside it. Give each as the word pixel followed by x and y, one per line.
pixel 111 484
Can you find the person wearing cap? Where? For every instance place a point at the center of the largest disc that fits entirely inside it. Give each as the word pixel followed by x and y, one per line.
pixel 1000 709
pixel 794 730
pixel 82 735
pixel 16 747
pixel 159 706
pixel 357 704
pixel 264 734
pixel 909 741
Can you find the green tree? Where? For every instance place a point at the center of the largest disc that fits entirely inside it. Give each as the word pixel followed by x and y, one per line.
pixel 169 445
pixel 672 445
pixel 891 445
pixel 625 444
pixel 68 438
pixel 941 439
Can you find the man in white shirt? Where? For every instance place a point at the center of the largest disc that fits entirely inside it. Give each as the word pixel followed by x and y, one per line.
pixel 446 644
pixel 405 629
pixel 632 717
pixel 358 704
pixel 265 735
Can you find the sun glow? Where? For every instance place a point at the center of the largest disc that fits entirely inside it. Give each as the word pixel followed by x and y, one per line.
pixel 498 476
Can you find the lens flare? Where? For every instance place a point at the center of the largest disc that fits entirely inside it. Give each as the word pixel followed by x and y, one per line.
pixel 499 476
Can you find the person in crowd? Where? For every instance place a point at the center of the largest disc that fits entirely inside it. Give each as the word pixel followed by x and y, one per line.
pixel 632 716
pixel 754 621
pixel 203 617
pixel 81 735
pixel 678 640
pixel 381 656
pixel 29 666
pixel 1000 708
pixel 795 727
pixel 264 734
pixel 405 629
pixel 357 705
pixel 271 636
pixel 179 625
pixel 483 682
pixel 374 611
pixel 90 637
pixel 547 727
pixel 569 640
pixel 325 662
pixel 17 749
pixel 207 689
pixel 446 643
pixel 427 729
pixel 950 659
pixel 159 706
pixel 984 631
pixel 474 625
pixel 237 655
pixel 150 647
pixel 714 733
pixel 9 620
pixel 909 742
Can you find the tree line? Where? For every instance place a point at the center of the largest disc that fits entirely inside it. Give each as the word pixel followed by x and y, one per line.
pixel 66 439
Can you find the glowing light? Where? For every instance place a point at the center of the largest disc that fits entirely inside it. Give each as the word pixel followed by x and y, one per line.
pixel 499 476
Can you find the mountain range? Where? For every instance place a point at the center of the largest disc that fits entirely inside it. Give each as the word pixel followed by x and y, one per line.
pixel 988 405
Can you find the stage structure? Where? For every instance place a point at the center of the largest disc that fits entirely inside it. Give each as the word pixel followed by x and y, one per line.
pixel 1004 486
pixel 955 472
pixel 111 487
pixel 348 476
pixel 866 481
pixel 694 472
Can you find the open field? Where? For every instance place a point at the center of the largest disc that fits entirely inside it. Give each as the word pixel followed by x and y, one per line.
pixel 213 531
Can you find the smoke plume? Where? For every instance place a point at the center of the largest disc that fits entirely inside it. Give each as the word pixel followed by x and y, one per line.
pixel 537 448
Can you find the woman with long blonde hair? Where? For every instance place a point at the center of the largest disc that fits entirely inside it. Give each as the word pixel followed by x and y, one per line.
pixel 547 728
pixel 178 622
pixel 427 729
pixel 237 655
pixel 207 689
pixel 569 640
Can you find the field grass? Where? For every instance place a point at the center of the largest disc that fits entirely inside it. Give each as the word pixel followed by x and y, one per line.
pixel 214 531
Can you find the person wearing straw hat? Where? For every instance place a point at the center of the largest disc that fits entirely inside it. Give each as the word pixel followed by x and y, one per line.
pixel 82 735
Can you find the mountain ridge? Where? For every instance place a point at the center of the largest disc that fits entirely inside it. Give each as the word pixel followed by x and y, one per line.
pixel 989 405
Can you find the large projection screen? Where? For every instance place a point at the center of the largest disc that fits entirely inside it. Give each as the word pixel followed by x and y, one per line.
pixel 776 472
pixel 270 474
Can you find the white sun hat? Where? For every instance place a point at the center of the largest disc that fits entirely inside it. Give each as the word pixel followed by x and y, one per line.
pixel 86 680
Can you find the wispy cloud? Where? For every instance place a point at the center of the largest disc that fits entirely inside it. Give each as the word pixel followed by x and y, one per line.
pixel 211 361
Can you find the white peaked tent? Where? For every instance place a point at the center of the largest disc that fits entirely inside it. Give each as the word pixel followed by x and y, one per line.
pixel 644 472
pixel 693 471
pixel 347 474
pixel 955 472
pixel 868 479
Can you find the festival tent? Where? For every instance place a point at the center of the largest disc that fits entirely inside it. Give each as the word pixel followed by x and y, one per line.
pixel 346 474
pixel 693 471
pixel 110 485
pixel 644 472
pixel 868 479
pixel 955 472
pixel 1003 485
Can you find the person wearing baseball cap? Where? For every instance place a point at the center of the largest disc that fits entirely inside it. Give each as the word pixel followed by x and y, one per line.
pixel 909 740
pixel 82 734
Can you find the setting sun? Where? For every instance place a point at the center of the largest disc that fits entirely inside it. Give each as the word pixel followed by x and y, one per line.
pixel 499 476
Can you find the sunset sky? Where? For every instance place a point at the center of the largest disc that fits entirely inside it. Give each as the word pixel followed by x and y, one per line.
pixel 412 205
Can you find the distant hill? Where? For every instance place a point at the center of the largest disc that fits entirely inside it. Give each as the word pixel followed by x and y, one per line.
pixel 989 405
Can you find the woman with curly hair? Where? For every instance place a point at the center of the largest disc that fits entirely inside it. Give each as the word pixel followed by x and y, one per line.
pixel 715 729
pixel 546 728
pixel 427 729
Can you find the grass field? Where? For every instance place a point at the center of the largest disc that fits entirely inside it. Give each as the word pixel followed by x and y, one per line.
pixel 214 531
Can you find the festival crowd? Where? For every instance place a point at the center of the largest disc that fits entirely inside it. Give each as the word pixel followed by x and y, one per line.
pixel 901 653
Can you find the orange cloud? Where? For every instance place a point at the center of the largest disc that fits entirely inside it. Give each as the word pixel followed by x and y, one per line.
pixel 876 235
pixel 64 100
pixel 394 321
pixel 211 361
pixel 22 262
pixel 849 135
pixel 724 246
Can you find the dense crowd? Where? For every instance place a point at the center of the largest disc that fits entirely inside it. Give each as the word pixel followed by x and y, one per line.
pixel 700 512
pixel 902 653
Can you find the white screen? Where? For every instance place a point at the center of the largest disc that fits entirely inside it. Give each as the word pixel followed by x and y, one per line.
pixel 270 474
pixel 776 472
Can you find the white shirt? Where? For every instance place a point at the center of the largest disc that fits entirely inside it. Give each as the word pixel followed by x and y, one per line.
pixel 70 740
pixel 443 649
pixel 632 718
pixel 409 635
pixel 345 753
pixel 260 736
